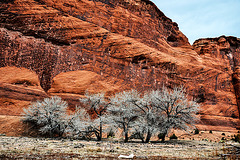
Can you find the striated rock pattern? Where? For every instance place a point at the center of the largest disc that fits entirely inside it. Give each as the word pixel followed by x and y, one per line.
pixel 223 50
pixel 18 87
pixel 61 23
pixel 71 85
pixel 112 45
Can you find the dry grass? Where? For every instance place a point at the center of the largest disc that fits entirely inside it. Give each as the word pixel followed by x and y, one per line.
pixel 22 147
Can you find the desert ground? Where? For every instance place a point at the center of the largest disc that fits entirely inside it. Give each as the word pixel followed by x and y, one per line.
pixel 48 148
pixel 205 145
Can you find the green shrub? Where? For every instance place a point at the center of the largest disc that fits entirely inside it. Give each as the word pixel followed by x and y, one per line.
pixel 173 136
pixel 205 140
pixel 223 134
pixel 136 135
pixel 222 141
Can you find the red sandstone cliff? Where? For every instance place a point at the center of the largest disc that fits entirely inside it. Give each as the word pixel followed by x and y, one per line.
pixel 225 52
pixel 111 45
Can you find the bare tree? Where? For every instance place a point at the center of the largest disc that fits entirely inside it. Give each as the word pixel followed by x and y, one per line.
pixel 143 115
pixel 177 110
pixel 161 111
pixel 79 124
pixel 146 125
pixel 122 112
pixel 98 104
pixel 49 116
pixel 149 117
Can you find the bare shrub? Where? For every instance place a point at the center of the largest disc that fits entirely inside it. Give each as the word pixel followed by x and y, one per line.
pixel 48 116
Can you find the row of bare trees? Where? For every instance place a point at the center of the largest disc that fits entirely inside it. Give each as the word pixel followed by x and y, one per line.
pixel 141 115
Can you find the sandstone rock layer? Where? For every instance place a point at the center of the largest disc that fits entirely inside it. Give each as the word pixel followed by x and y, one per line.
pixel 223 51
pixel 98 45
pixel 18 88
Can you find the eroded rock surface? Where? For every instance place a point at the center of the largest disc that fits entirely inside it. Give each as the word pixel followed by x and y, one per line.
pixel 223 51
pixel 18 88
pixel 71 85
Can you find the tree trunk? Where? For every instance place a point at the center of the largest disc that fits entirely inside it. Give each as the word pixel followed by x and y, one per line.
pixel 149 135
pixel 163 138
pixel 97 135
pixel 100 130
pixel 126 136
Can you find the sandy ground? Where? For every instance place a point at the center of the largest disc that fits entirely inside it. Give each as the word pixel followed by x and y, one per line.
pixel 205 145
pixel 42 148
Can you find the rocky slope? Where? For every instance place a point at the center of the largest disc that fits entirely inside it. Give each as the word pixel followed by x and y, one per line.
pixel 112 45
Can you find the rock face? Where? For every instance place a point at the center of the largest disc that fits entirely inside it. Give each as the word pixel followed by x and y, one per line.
pixel 225 52
pixel 18 87
pixel 113 45
pixel 71 85
pixel 84 31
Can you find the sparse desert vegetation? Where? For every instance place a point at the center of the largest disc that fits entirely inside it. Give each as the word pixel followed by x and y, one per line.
pixel 50 148
pixel 153 116
pixel 141 115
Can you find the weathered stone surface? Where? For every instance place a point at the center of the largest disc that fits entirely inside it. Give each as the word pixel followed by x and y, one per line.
pixel 79 22
pixel 120 44
pixel 18 88
pixel 223 51
pixel 77 82
pixel 74 84
pixel 11 125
